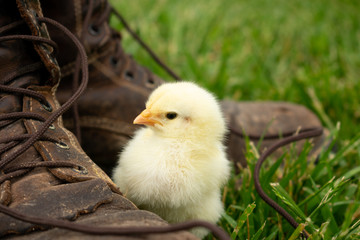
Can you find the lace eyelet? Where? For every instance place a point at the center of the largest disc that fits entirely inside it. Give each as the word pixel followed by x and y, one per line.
pixel 94 30
pixel 80 169
pixel 52 127
pixel 151 81
pixel 129 75
pixel 47 106
pixel 62 145
pixel 114 61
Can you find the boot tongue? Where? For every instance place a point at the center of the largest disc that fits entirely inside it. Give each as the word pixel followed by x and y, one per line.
pixel 15 54
pixel 29 11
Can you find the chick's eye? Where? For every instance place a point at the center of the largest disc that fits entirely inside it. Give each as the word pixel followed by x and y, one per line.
pixel 171 115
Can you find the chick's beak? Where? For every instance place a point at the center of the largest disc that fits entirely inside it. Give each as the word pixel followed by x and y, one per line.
pixel 146 118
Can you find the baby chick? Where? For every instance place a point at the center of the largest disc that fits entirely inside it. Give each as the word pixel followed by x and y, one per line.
pixel 176 165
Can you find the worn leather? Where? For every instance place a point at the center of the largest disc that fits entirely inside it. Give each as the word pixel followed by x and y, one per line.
pixel 116 92
pixel 29 10
pixel 266 119
pixel 85 195
pixel 113 100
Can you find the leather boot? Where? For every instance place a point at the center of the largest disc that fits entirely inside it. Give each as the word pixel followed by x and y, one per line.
pixel 44 172
pixel 118 88
pixel 265 123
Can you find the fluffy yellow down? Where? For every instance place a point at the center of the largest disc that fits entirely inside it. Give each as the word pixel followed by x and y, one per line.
pixel 176 165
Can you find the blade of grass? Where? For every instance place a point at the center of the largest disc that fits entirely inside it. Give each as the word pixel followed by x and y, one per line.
pixel 338 186
pixel 354 142
pixel 318 106
pixel 237 207
pixel 319 235
pixel 317 192
pixel 351 212
pixel 350 232
pixel 272 235
pixel 259 232
pixel 327 213
pixel 271 172
pixel 285 198
pixel 297 232
pixel 326 154
pixel 229 220
pixel 242 219
pixel 354 229
pixel 352 172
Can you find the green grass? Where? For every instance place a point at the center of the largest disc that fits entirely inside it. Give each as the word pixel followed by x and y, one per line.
pixel 301 51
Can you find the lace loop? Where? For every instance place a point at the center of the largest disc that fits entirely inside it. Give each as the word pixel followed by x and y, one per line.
pixel 303 134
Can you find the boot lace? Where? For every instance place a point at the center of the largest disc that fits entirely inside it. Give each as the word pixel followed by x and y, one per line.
pixel 27 140
pixel 303 134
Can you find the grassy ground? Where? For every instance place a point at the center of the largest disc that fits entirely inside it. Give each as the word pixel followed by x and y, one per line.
pixel 301 51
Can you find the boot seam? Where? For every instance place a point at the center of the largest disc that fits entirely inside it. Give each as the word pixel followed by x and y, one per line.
pixel 78 17
pixel 104 124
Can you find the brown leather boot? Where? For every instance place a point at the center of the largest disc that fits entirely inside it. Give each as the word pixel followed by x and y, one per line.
pixel 46 179
pixel 118 88
pixel 267 123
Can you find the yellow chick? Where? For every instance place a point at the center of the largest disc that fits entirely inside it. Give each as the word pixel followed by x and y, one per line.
pixel 176 165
